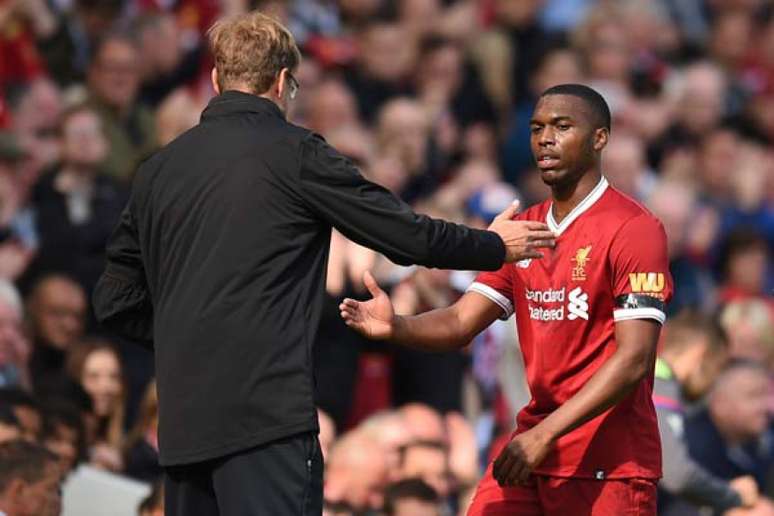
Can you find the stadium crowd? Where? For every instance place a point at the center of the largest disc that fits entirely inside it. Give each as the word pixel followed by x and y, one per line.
pixel 431 99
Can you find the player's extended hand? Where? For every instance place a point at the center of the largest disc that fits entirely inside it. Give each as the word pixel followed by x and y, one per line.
pixel 747 489
pixel 522 238
pixel 520 457
pixel 373 318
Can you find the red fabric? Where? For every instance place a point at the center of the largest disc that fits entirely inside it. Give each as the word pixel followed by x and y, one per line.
pixel 19 58
pixel 564 305
pixel 373 388
pixel 554 496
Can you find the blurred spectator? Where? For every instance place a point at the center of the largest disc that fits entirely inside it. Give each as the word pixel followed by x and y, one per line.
pixel 731 438
pixel 327 432
pixel 30 480
pixel 390 431
pixel 750 327
pixel 356 473
pixel 744 261
pixel 56 313
pixel 698 94
pixel 411 497
pixel 36 111
pixel 177 113
pixel 16 232
pixel 675 204
pixel 64 433
pixel 429 461
pixel 332 106
pixel 141 449
pixel 68 47
pixel 626 166
pixel 97 366
pixel 434 379
pixel 387 53
pixel 76 205
pixel 27 411
pixel 165 63
pixel 153 505
pixel 14 347
pixel 555 66
pixel 693 353
pixel 10 429
pixel 114 82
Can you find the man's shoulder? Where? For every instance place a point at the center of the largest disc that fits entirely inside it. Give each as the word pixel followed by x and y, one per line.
pixel 626 209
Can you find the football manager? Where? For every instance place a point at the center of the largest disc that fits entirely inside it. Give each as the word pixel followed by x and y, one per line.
pixel 219 261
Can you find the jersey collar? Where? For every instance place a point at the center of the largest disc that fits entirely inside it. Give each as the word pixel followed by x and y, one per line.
pixel 576 212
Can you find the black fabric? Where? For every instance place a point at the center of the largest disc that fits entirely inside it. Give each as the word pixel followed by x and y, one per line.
pixel 77 250
pixel 284 477
pixel 219 263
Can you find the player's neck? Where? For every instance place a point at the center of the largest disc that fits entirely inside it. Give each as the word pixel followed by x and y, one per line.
pixel 565 198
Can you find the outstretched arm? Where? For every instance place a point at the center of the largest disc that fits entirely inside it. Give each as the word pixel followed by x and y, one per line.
pixel 438 330
pixel 623 371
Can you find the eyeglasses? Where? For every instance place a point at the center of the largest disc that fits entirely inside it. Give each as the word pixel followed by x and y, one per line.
pixel 293 86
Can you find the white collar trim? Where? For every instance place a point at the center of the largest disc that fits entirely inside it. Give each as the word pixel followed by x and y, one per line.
pixel 576 212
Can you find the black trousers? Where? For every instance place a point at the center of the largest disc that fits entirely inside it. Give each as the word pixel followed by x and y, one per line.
pixel 281 478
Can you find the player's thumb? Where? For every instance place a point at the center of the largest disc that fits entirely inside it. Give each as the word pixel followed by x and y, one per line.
pixel 371 284
pixel 510 211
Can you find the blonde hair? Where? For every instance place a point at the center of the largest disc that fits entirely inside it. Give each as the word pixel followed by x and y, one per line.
pixel 251 50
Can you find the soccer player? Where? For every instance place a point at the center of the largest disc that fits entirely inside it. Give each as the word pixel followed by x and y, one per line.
pixel 588 313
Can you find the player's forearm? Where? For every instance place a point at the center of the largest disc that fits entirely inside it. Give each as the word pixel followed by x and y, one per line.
pixel 437 330
pixel 611 383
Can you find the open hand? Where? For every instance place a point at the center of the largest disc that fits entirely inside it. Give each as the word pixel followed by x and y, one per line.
pixel 373 318
pixel 522 238
pixel 520 457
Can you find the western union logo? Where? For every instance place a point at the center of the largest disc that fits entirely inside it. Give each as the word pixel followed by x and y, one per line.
pixel 646 281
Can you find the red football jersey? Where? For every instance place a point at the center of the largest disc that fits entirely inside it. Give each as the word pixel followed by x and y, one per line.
pixel 610 264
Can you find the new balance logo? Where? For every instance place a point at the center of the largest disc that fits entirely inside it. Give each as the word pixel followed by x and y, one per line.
pixel 646 281
pixel 578 305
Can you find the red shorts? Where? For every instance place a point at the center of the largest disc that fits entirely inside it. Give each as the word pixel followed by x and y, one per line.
pixel 553 496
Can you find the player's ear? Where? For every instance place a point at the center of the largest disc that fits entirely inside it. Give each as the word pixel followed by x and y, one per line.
pixel 601 136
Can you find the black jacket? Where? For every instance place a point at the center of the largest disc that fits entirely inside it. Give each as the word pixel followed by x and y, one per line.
pixel 219 261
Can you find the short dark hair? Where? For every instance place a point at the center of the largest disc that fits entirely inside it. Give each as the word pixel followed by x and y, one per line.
pixel 421 443
pixel 7 416
pixel 23 460
pixel 599 108
pixel 16 397
pixel 739 241
pixel 413 488
pixel 61 411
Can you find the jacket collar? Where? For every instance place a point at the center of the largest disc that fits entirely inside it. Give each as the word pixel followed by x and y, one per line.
pixel 232 102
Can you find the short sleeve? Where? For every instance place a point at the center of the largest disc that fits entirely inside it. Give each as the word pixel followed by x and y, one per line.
pixel 496 286
pixel 642 285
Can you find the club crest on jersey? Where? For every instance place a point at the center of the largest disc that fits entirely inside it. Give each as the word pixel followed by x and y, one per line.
pixel 580 260
pixel 646 282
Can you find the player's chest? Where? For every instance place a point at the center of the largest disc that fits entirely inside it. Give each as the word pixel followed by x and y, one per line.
pixel 570 281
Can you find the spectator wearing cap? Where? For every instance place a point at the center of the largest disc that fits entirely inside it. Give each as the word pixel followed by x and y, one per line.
pixel 30 480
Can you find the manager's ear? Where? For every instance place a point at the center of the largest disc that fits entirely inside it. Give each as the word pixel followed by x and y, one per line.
pixel 601 137
pixel 214 78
